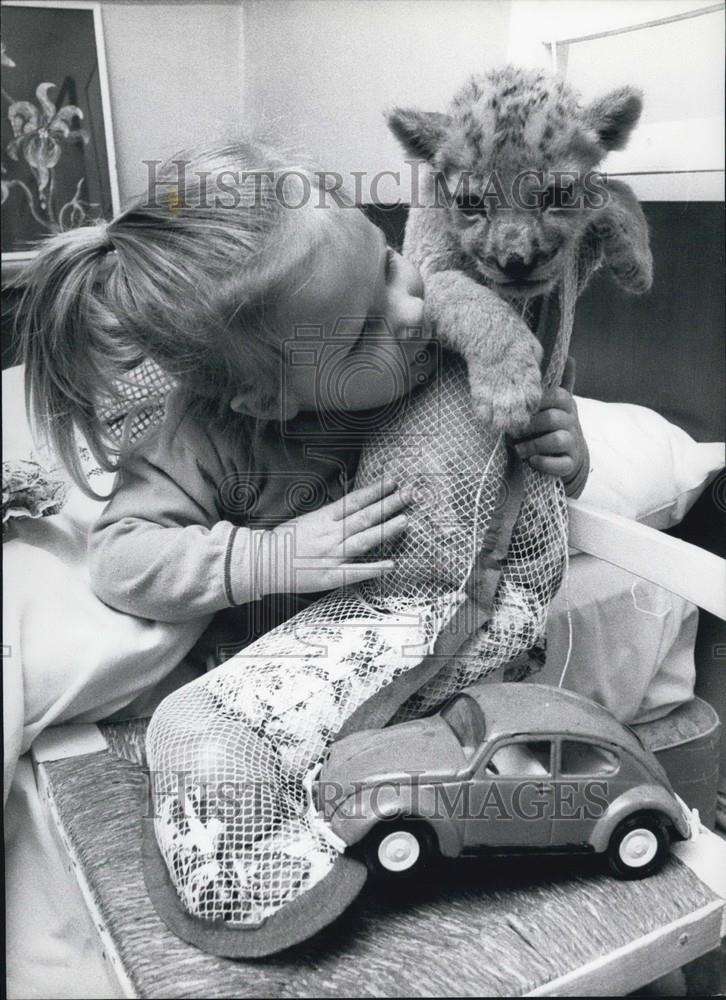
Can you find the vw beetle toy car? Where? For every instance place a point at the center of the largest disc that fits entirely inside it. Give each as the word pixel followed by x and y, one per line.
pixel 502 768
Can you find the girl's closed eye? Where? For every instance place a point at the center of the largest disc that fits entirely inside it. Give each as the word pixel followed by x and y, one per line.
pixel 389 262
pixel 374 324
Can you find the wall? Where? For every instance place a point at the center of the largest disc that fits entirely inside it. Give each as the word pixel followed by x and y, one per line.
pixel 320 73
pixel 677 151
pixel 175 77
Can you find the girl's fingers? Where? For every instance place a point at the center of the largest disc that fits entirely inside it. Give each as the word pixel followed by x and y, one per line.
pixel 375 513
pixel 553 465
pixel 560 442
pixel 362 497
pixel 557 399
pixel 358 544
pixel 547 420
pixel 357 572
pixel 557 410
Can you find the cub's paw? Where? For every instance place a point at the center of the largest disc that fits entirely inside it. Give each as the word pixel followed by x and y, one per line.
pixel 507 396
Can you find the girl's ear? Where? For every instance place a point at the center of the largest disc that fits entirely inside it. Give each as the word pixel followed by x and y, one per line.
pixel 614 116
pixel 241 404
pixel 252 401
pixel 419 132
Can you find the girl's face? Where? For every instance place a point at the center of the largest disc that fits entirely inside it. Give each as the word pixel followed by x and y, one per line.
pixel 356 336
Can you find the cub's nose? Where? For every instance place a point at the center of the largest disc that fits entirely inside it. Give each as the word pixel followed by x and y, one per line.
pixel 515 267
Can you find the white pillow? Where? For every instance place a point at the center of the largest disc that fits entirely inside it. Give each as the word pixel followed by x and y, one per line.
pixel 641 465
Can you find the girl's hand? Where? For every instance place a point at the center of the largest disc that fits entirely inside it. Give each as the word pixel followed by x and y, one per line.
pixel 316 551
pixel 554 443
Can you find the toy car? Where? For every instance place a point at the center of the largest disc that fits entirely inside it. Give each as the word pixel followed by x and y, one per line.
pixel 502 767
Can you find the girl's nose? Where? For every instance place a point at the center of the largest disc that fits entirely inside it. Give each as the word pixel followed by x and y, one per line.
pixel 410 310
pixel 405 298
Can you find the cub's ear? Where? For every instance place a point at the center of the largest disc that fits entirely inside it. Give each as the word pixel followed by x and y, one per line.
pixel 419 132
pixel 614 116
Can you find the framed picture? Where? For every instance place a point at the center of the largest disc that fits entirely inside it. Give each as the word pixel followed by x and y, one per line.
pixel 58 163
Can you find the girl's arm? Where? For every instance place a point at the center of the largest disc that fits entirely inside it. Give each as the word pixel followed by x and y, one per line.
pixel 159 549
pixel 502 354
pixel 162 550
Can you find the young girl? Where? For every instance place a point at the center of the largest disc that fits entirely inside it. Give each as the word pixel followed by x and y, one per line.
pixel 282 317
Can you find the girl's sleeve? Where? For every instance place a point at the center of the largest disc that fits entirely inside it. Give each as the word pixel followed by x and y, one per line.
pixel 159 549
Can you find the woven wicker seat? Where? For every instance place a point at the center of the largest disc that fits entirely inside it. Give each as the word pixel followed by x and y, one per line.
pixel 473 929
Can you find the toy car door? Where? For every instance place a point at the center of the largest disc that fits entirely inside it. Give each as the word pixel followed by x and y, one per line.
pixel 510 796
pixel 587 779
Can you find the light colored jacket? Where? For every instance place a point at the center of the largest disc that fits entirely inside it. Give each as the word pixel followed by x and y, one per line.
pixel 177 539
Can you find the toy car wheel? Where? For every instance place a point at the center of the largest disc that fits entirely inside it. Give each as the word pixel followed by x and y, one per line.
pixel 399 848
pixel 638 847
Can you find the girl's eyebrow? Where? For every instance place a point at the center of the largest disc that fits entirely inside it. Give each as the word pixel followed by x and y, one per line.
pixel 386 258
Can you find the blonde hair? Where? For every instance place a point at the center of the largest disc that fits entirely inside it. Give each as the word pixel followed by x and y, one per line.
pixel 187 276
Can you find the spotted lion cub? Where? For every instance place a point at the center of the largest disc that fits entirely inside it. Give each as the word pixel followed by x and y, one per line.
pixel 509 192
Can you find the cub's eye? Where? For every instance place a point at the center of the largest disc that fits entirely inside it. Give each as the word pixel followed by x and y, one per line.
pixel 557 195
pixel 472 207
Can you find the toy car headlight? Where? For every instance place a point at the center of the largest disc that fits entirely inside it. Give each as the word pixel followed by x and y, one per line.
pixel 314 816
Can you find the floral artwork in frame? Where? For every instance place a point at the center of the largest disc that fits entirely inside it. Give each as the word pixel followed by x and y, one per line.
pixel 58 164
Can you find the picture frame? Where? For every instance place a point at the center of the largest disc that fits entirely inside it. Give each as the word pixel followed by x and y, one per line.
pixel 58 156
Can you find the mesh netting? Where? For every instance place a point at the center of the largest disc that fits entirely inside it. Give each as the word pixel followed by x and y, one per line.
pixel 138 403
pixel 233 753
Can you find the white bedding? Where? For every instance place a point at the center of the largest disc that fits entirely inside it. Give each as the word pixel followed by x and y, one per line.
pixel 67 655
pixel 632 642
pixel 71 657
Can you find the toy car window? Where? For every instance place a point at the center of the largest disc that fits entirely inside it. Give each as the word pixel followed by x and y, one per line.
pixel 520 759
pixel 466 720
pixel 586 758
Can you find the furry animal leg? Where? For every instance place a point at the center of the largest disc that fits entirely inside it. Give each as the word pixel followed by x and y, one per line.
pixel 501 353
pixel 622 231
